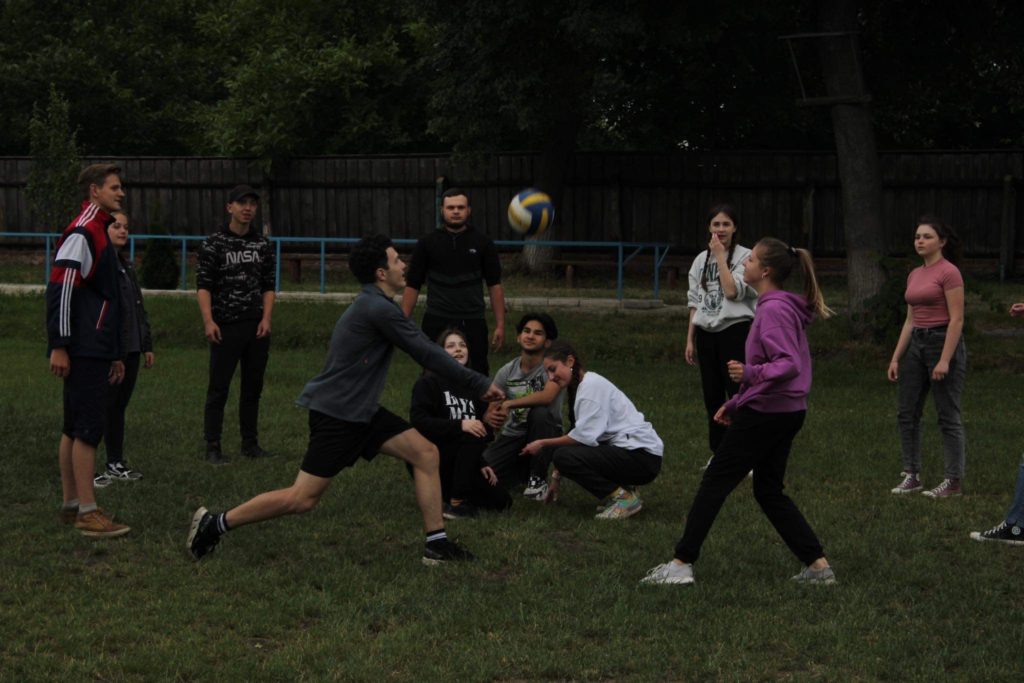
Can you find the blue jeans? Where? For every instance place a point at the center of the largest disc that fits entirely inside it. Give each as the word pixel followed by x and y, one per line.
pixel 1016 513
pixel 915 382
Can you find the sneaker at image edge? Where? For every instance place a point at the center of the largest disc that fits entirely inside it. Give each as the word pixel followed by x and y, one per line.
pixel 445 551
pixel 202 534
pixel 670 573
pixel 822 576
pixel 1004 532
pixel 622 507
pixel 949 488
pixel 911 483
pixel 95 524
pixel 119 472
pixel 536 488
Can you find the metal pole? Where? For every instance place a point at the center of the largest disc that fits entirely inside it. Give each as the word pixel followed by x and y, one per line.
pixel 323 266
pixel 277 265
pixel 184 262
pixel 618 291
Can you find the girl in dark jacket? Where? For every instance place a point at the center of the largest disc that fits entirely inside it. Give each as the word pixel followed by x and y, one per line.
pixel 449 415
pixel 139 351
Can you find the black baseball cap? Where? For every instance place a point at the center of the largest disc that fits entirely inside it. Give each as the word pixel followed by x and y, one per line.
pixel 240 191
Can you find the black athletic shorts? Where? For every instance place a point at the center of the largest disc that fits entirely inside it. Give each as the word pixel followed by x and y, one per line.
pixel 85 399
pixel 336 444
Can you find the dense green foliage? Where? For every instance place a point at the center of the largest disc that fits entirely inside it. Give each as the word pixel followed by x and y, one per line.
pixel 339 594
pixel 52 191
pixel 270 79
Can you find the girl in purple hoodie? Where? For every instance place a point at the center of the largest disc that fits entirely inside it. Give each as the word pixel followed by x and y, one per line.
pixel 763 417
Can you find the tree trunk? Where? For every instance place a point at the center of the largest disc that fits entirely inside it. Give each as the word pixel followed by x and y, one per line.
pixel 857 159
pixel 554 163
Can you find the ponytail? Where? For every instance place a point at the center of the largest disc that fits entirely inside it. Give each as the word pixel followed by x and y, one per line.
pixel 780 259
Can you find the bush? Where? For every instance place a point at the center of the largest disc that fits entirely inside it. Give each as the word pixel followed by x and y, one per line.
pixel 159 265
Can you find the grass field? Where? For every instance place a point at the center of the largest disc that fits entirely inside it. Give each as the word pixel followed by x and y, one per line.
pixel 340 594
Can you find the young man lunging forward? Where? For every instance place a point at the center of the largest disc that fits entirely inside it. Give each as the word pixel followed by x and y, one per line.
pixel 345 420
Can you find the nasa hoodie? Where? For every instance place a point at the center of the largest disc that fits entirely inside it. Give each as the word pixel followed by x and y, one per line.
pixel 777 374
pixel 236 270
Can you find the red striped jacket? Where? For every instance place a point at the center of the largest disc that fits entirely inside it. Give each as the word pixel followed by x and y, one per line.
pixel 83 311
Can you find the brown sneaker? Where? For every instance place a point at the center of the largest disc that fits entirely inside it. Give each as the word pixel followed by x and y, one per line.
pixel 68 515
pixel 95 524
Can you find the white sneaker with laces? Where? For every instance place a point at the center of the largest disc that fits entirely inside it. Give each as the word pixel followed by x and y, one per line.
pixel 670 573
pixel 536 488
pixel 119 472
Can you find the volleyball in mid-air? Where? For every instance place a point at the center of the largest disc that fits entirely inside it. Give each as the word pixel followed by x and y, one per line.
pixel 530 212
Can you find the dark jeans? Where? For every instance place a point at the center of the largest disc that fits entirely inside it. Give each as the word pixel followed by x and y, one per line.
pixel 118 396
pixel 603 468
pixel 475 330
pixel 915 382
pixel 714 350
pixel 503 454
pixel 759 442
pixel 238 345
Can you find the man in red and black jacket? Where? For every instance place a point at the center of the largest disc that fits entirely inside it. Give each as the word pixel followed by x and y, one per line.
pixel 83 324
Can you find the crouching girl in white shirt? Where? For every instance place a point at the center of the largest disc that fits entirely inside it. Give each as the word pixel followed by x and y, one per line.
pixel 610 449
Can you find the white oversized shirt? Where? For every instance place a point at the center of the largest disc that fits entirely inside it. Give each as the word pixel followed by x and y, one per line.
pixel 605 415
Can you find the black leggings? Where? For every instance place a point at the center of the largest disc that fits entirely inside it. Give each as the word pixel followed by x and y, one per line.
pixel 714 351
pixel 118 396
pixel 759 442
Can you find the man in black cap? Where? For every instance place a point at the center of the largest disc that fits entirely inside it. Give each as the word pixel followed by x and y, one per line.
pixel 235 279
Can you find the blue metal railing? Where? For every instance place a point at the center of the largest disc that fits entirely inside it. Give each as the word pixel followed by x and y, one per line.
pixel 624 252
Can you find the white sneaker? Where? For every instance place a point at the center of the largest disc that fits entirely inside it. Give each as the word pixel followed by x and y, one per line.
pixel 102 481
pixel 118 472
pixel 536 488
pixel 670 572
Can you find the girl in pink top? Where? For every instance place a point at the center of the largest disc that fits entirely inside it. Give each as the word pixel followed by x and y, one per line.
pixel 930 355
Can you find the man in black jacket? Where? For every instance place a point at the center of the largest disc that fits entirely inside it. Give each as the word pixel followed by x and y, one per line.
pixel 452 262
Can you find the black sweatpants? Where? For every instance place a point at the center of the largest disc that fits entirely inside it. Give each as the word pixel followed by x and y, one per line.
pixel 714 351
pixel 461 460
pixel 238 345
pixel 118 396
pixel 475 330
pixel 503 455
pixel 603 468
pixel 759 442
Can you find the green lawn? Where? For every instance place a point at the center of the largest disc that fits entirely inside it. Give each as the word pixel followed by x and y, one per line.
pixel 340 594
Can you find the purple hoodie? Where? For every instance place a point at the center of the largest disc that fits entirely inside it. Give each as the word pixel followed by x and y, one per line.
pixel 777 374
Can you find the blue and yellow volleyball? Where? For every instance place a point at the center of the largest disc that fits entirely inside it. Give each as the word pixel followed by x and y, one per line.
pixel 530 212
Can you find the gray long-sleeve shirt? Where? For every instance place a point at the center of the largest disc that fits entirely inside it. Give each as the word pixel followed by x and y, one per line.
pixel 364 338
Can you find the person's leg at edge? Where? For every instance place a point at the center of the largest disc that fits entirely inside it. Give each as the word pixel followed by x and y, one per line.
pixel 1016 513
pixel 736 456
pixel 768 486
pixel 541 425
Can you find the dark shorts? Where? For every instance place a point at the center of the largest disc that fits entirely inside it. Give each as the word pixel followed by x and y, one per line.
pixel 336 444
pixel 85 399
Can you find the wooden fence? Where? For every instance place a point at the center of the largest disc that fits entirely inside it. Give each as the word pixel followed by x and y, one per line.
pixel 608 196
